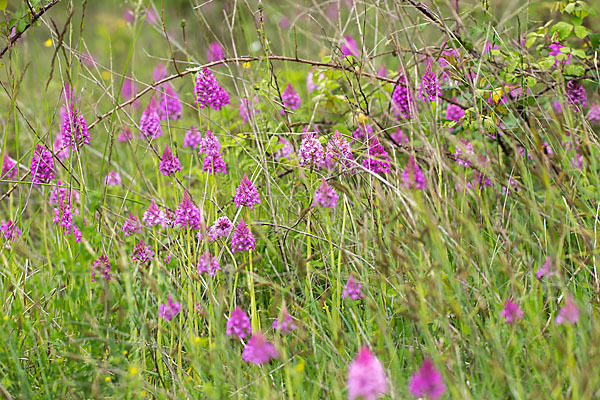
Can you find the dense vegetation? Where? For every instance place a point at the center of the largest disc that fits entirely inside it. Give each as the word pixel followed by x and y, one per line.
pixel 299 199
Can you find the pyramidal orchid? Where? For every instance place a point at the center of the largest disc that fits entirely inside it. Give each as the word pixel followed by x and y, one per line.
pixel 377 158
pixel 311 151
pixel 511 312
pixel 238 324
pixel 150 121
pixel 169 310
pixel 338 149
pixel 569 313
pixel 9 168
pixel 349 46
pixel 131 226
pixel 187 215
pixel 214 52
pixel 142 253
pixel 170 106
pixel 402 99
pixel 207 91
pixel 242 238
pixel 10 231
pixel 325 195
pixel 211 149
pixel 42 165
pixel 113 178
pixel 169 165
pixel 412 177
pixel 430 88
pixel 208 264
pixel 352 289
pixel 285 151
pixel 291 98
pixel 259 350
pixel 366 377
pixel 74 130
pixel 125 135
pixel 192 138
pixel 221 228
pixel 285 323
pixel 427 382
pixel 154 216
pixel 546 269
pixel 101 267
pixel 246 194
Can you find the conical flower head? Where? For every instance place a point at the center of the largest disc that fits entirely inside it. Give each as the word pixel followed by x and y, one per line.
pixel 209 145
pixel 42 165
pixel 169 165
pixel 454 112
pixel 463 153
pixel 142 253
pixel 546 269
pixel 192 138
pixel 569 313
pixel 377 158
pixel 249 107
pixel 352 289
pixel 285 151
pixel 291 98
pixel 154 216
pixel 101 265
pixel 325 196
pixel 113 178
pixel 430 86
pixel 74 130
pixel 159 72
pixel 349 46
pixel 338 149
pixel 131 226
pixel 150 121
pixel 187 215
pixel 246 194
pixel 258 350
pixel 170 106
pixel 238 324
pixel 208 92
pixel 512 312
pixel 427 382
pixel 125 135
pixel 170 310
pixel 242 238
pixel 284 324
pixel 363 132
pixel 214 164
pixel 311 151
pixel 576 94
pixel 402 99
pixel 214 52
pixel 208 264
pixel 366 377
pixel 221 228
pixel 412 177
pixel 9 168
pixel 10 230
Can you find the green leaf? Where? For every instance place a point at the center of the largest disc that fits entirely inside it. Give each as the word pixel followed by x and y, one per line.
pixel 581 31
pixel 326 59
pixel 531 81
pixel 563 29
pixel 575 70
pixel 569 8
pixel 3 4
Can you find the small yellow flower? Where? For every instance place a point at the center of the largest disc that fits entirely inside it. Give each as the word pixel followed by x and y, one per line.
pixel 133 371
pixel 48 43
pixel 362 119
pixel 6 318
pixel 106 75
pixel 300 366
pixel 246 64
pixel 107 379
pixel 325 307
pixel 196 339
pixel 125 352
